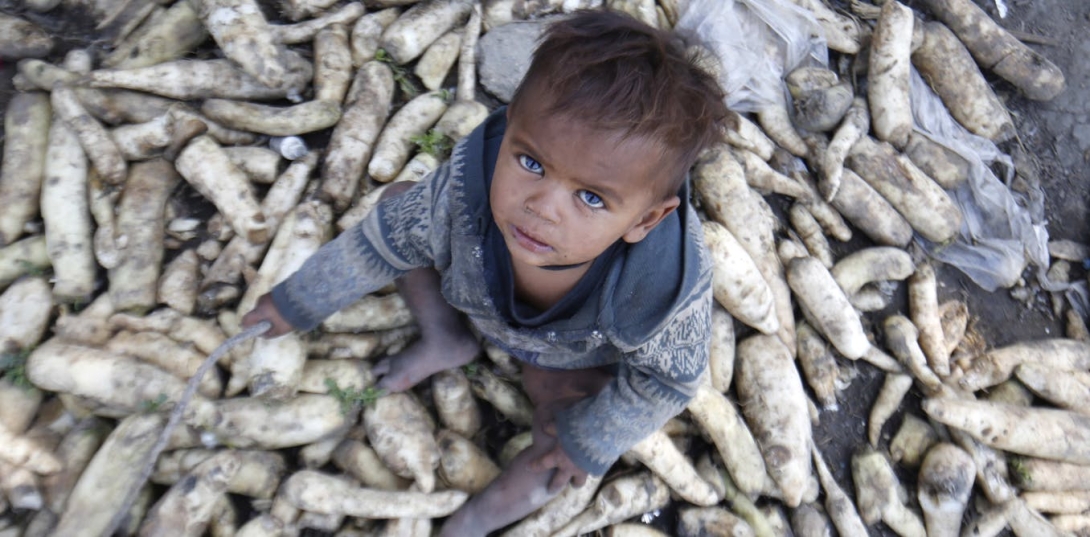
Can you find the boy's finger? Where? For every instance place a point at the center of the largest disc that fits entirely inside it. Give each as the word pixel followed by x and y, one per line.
pixel 543 463
pixel 578 480
pixel 560 478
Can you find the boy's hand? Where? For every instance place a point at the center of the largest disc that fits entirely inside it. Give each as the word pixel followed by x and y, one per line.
pixel 265 310
pixel 566 470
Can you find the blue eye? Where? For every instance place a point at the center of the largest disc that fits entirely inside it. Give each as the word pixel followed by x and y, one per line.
pixel 591 199
pixel 530 164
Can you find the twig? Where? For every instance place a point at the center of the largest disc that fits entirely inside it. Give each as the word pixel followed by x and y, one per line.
pixel 176 416
pixel 1027 37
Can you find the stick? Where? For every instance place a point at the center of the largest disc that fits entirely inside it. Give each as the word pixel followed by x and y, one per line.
pixel 176 416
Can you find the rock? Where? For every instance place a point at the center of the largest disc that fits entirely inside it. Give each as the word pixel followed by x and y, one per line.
pixel 504 55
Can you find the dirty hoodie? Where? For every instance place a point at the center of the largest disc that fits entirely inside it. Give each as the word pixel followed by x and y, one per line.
pixel 648 316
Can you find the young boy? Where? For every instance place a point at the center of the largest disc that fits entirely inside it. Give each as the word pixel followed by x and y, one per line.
pixel 561 228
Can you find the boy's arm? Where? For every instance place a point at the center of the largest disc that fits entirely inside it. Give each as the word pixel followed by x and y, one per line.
pixel 400 234
pixel 654 384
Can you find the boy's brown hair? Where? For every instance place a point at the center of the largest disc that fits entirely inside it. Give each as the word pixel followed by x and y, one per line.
pixel 618 74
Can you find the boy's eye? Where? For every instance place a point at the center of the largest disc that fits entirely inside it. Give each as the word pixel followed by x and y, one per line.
pixel 591 199
pixel 530 164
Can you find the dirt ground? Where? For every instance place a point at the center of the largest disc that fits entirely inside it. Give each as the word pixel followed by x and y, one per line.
pixel 1055 136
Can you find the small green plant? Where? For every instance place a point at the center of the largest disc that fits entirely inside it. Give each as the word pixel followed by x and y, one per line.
pixel 13 367
pixel 352 399
pixel 1017 467
pixel 446 95
pixel 401 74
pixel 471 369
pixel 433 143
pixel 30 268
pixel 152 406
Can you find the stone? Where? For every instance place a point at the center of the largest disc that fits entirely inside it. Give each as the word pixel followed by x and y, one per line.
pixel 504 55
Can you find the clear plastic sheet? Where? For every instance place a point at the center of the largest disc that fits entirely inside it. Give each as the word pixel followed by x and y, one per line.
pixel 757 41
pixel 999 235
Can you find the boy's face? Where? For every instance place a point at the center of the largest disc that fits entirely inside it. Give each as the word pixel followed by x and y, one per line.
pixel 563 192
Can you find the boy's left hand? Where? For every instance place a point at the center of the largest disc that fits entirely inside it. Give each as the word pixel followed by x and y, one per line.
pixel 566 470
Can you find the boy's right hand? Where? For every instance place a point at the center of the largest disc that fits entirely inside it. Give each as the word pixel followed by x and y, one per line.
pixel 265 310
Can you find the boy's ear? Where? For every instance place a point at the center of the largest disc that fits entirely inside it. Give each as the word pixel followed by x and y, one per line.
pixel 650 219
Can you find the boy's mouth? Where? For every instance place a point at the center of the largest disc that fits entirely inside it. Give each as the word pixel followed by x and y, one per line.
pixel 529 242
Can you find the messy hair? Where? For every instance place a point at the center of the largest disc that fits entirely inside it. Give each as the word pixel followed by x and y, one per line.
pixel 618 74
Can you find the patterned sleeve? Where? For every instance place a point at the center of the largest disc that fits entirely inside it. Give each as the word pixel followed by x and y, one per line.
pixel 402 233
pixel 654 384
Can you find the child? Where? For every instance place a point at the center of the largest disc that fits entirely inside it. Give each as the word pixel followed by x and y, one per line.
pixel 554 227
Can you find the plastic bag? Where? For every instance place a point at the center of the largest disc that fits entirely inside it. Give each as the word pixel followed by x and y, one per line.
pixel 999 235
pixel 757 42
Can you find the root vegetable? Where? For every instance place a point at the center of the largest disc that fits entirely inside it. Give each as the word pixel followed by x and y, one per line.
pixel 165 37
pixel 617 500
pixel 319 453
pixel 865 207
pixel 996 365
pixel 912 441
pixel 662 457
pixel 460 119
pixel 254 423
pixel 412 32
pixel 744 134
pixel 991 466
pixel 1066 502
pixel 855 124
pixel 362 463
pixel 261 165
pixel 810 519
pixel 394 144
pixel 18 405
pixel 737 283
pixel 950 70
pixel 842 33
pixel 367 32
pixel 901 339
pixel 552 516
pixel 258 473
pixel 107 378
pixel 881 496
pixel 711 521
pixel 923 306
pixel 354 137
pixel 26 130
pixel 462 465
pixel 90 326
pixel 349 374
pixel 454 402
pixel 1028 523
pixel 954 319
pixel 893 390
pixel 776 123
pixel 202 79
pixel 880 263
pixel 888 74
pixel 841 510
pixel 139 235
pixel 332 62
pixel 97 144
pixel 720 181
pixel 65 212
pixel 142 141
pixel 22 39
pixel 313 491
pixel 418 168
pixel 205 166
pixel 507 399
pixel 178 285
pixel 1066 389
pixel 810 232
pixel 819 367
pixel 762 178
pixel 272 120
pixel 275 365
pixel 1039 432
pixel 774 403
pixel 240 253
pixel 402 433
pixel 828 307
pixel 721 353
pixel 25 308
pixel 241 31
pixel 164 352
pixel 101 490
pixel 369 314
pixel 75 452
pixel 187 507
pixel 21 257
pixel 1045 475
pixel 435 63
pixel 741 504
pixel 307 30
pixel 995 49
pixel 917 197
pixel 945 481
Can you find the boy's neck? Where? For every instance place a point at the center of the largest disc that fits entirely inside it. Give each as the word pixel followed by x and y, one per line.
pixel 543 287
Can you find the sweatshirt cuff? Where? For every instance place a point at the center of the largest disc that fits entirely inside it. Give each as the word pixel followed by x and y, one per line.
pixel 291 313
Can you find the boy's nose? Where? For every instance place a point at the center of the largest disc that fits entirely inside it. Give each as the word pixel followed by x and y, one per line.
pixel 544 203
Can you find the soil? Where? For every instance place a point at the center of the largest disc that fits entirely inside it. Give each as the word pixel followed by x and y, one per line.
pixel 1054 138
